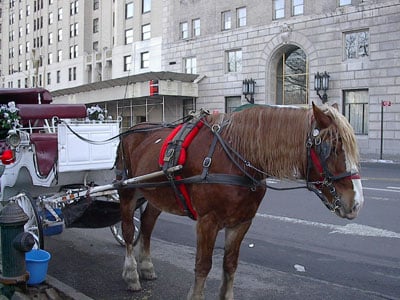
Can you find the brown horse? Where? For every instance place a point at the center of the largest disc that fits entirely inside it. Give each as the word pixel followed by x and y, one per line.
pixel 234 153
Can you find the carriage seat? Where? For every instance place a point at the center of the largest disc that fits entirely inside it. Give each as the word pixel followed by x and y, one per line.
pixel 46 151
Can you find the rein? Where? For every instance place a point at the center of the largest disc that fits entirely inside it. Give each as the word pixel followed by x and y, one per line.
pixel 151 127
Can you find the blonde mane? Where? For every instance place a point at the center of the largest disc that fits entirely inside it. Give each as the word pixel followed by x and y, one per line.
pixel 346 133
pixel 273 138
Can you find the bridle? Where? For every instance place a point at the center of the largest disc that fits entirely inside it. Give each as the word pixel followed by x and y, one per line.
pixel 318 152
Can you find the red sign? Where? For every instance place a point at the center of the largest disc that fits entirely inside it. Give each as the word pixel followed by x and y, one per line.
pixel 386 103
pixel 153 87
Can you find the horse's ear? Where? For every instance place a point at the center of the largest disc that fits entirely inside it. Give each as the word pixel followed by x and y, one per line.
pixel 323 120
pixel 335 105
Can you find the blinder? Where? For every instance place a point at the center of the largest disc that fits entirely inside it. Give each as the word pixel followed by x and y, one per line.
pixel 318 152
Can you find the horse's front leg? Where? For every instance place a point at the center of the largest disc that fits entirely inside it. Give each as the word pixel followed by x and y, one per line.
pixel 207 230
pixel 129 272
pixel 233 239
pixel 148 220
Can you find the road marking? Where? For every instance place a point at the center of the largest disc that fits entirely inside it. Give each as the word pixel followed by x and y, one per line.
pixel 394 187
pixel 383 190
pixel 350 229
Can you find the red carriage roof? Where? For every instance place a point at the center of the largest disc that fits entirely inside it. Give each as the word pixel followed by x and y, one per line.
pixel 25 96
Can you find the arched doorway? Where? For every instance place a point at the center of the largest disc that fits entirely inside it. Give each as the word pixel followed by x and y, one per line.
pixel 291 76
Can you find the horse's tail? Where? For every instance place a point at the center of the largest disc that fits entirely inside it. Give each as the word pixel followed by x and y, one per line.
pixel 119 165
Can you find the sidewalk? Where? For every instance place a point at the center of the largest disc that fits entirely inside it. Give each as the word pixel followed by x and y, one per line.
pixel 50 289
pixel 375 158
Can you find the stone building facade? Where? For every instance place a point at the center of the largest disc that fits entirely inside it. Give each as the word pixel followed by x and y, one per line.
pixel 356 42
pixel 200 52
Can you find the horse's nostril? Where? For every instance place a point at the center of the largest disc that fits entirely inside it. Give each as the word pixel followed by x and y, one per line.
pixel 355 207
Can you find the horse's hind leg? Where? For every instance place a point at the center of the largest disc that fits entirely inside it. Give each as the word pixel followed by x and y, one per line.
pixel 233 239
pixel 207 231
pixel 148 220
pixel 129 272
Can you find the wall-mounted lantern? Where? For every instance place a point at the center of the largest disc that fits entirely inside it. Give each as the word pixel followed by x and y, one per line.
pixel 248 89
pixel 321 82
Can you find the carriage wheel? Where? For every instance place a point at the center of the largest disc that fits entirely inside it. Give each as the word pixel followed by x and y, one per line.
pixel 34 224
pixel 116 229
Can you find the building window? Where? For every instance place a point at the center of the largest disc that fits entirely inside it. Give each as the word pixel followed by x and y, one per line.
pixel 73 30
pixel 129 10
pixel 146 6
pixel 11 36
pixel 50 38
pixel 128 36
pixel 226 18
pixel 28 10
pixel 28 28
pixel 27 47
pixel 190 64
pixel 234 61
pixel 144 60
pixel 59 36
pixel 356 44
pixel 95 25
pixel 231 103
pixel 292 78
pixel 356 110
pixel 297 7
pixel 73 8
pixel 59 55
pixel 241 15
pixel 184 30
pixel 146 32
pixel 196 27
pixel 96 4
pixel 71 52
pixel 60 14
pixel 127 62
pixel 96 46
pixel 344 2
pixel 48 78
pixel 58 76
pixel 50 58
pixel 72 74
pixel 279 9
pixel 51 18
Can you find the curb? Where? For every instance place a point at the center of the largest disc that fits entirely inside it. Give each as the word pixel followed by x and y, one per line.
pixel 65 289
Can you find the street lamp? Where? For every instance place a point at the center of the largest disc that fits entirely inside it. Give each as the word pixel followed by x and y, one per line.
pixel 321 82
pixel 248 89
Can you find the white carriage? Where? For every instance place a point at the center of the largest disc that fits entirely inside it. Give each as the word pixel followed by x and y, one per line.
pixel 49 164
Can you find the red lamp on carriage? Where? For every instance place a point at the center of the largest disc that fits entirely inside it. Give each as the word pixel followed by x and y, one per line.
pixel 248 89
pixel 321 82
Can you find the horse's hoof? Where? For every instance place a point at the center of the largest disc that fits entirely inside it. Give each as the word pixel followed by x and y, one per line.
pixel 134 287
pixel 148 275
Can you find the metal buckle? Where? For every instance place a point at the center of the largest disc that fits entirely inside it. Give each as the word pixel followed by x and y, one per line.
pixel 207 162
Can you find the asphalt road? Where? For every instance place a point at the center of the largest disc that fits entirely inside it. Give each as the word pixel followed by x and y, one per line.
pixel 295 249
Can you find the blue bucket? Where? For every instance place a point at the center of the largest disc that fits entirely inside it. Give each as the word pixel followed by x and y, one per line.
pixel 37 261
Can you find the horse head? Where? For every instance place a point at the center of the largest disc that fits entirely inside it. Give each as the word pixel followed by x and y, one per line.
pixel 333 163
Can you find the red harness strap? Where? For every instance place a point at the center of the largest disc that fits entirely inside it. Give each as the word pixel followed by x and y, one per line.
pixel 177 142
pixel 318 165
